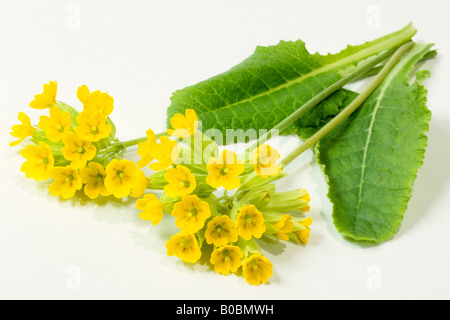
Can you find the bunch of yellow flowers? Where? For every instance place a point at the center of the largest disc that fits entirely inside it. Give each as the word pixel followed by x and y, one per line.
pixel 223 203
pixel 224 228
pixel 77 150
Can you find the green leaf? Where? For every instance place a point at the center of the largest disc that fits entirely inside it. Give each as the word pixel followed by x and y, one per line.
pixel 371 159
pixel 272 83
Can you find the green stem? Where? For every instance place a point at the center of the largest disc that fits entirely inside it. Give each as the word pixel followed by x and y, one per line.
pixel 133 142
pixel 360 71
pixel 350 108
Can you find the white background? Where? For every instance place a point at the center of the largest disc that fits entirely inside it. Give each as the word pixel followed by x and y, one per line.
pixel 140 52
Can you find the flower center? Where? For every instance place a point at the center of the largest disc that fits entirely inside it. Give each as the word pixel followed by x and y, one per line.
pixel 185 243
pixel 94 130
pixel 185 184
pixel 254 264
pixel 43 161
pixel 227 259
pixel 69 178
pixel 120 174
pixel 60 128
pixel 192 213
pixel 248 218
pixel 224 171
pixel 219 229
pixel 99 177
pixel 81 150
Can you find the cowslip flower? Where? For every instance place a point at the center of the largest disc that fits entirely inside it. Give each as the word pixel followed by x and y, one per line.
pixel 77 150
pixel 220 231
pixel 140 184
pixel 257 269
pixel 93 176
pixel 224 171
pixel 191 213
pixel 121 177
pixel 165 152
pixel 303 235
pixel 145 149
pixel 47 98
pixel 57 125
pixel 152 209
pixel 181 182
pixel 250 222
pixel 23 130
pixel 95 101
pixel 226 259
pixel 183 125
pixel 39 161
pixel 67 181
pixel 92 126
pixel 264 161
pixel 184 245
pixel 305 197
pixel 284 226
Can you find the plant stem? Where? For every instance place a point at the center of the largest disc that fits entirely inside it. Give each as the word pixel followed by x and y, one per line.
pixel 351 107
pixel 360 71
pixel 133 142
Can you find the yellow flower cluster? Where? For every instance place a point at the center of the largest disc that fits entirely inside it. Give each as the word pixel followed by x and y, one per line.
pixel 222 229
pixel 222 205
pixel 77 149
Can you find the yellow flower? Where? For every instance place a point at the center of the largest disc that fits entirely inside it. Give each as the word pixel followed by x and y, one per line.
pixel 95 101
pixel 224 171
pixel 92 126
pixel 226 259
pixel 165 152
pixel 220 231
pixel 47 98
pixel 56 125
pixel 152 208
pixel 40 161
pixel 184 245
pixel 303 235
pixel 181 182
pixel 264 161
pixel 121 177
pixel 191 213
pixel 257 269
pixel 77 150
pixel 250 222
pixel 306 198
pixel 23 130
pixel 145 149
pixel 67 181
pixel 94 177
pixel 140 184
pixel 184 126
pixel 284 226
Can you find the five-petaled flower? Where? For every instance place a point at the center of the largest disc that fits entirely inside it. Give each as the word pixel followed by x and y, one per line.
pixel 66 181
pixel 303 235
pixel 76 150
pixel 57 125
pixel 121 177
pixel 224 171
pixel 257 269
pixel 220 231
pixel 23 130
pixel 95 101
pixel 191 213
pixel 39 162
pixel 46 99
pixel 226 259
pixel 93 176
pixel 183 125
pixel 250 222
pixel 264 161
pixel 284 226
pixel 184 245
pixel 92 126
pixel 181 182
pixel 151 208
pixel 165 152
pixel 146 149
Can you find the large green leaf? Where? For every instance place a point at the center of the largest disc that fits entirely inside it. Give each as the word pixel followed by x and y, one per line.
pixel 372 158
pixel 272 83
